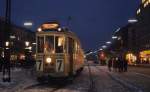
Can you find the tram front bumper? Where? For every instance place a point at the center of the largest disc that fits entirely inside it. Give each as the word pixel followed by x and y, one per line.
pixel 54 75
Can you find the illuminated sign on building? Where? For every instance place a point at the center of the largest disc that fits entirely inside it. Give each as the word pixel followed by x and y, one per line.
pixel 145 56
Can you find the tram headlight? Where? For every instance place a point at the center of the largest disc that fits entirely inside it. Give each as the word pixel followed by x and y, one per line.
pixel 48 60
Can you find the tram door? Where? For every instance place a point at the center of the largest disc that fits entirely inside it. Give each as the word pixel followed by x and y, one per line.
pixel 70 52
pixel 39 53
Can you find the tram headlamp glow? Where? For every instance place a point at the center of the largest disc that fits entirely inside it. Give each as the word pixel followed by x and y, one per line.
pixel 48 60
pixel 39 29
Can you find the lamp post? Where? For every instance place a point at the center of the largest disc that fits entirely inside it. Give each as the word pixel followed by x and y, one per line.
pixel 6 44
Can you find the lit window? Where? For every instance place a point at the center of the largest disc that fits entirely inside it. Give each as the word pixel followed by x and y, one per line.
pixel 138 11
pixel 143 1
pixel 60 41
pixel 49 44
pixel 146 3
pixel 59 44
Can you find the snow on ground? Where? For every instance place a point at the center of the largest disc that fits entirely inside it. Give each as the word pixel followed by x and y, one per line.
pixel 103 81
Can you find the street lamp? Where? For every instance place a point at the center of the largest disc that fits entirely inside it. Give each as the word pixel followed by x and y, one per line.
pixel 28 24
pixel 108 42
pixel 100 49
pixel 27 43
pixel 104 46
pixel 114 37
pixel 34 43
pixel 7 44
pixel 132 20
pixel 6 65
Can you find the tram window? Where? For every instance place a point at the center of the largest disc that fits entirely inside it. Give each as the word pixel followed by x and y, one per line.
pixel 49 44
pixel 59 44
pixel 40 44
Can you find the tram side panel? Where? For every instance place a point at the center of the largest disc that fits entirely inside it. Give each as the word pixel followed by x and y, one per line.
pixel 78 57
pixel 79 62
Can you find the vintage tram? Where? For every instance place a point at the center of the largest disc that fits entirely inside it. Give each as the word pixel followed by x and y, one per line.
pixel 58 52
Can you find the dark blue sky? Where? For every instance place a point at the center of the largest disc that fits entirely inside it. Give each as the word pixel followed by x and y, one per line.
pixel 93 21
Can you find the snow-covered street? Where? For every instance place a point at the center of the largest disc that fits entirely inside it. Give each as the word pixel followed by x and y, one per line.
pixel 100 80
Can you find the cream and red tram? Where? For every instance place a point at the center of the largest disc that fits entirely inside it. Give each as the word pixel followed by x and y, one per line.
pixel 58 51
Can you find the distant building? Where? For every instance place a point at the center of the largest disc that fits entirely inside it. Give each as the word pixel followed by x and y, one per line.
pixel 143 31
pixel 133 40
pixel 18 37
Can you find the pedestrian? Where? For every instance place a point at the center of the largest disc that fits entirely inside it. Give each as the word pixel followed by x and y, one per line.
pixel 109 64
pixel 115 64
pixel 125 65
pixel 120 64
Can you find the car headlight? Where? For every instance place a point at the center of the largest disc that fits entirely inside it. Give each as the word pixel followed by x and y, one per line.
pixel 48 60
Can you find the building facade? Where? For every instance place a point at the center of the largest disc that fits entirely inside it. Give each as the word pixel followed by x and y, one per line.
pixel 143 31
pixel 18 36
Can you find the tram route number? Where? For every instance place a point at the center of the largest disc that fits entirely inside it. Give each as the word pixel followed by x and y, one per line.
pixel 59 65
pixel 38 65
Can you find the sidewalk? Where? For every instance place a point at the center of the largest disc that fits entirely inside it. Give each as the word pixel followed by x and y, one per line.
pixel 141 65
pixel 134 78
pixel 20 78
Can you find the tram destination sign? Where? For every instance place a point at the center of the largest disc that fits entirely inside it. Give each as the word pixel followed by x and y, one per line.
pixel 50 26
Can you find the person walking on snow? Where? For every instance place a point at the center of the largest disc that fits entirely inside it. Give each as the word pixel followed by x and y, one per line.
pixel 109 64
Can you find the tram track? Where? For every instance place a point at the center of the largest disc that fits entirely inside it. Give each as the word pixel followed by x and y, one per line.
pixel 91 80
pixel 51 87
pixel 128 85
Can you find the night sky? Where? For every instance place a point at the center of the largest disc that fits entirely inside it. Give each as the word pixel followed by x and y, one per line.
pixel 94 21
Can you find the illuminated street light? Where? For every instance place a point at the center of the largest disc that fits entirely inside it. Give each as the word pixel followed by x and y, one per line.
pixel 12 37
pixel 132 20
pixel 34 43
pixel 104 46
pixel 30 48
pixel 108 42
pixel 27 24
pixel 7 44
pixel 100 49
pixel 27 43
pixel 114 37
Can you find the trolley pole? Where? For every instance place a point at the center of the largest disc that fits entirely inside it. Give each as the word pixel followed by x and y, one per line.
pixel 69 20
pixel 6 43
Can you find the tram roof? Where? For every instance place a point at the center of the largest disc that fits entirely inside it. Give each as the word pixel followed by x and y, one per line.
pixel 64 32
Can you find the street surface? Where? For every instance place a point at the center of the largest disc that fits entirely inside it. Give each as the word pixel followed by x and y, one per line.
pixel 94 78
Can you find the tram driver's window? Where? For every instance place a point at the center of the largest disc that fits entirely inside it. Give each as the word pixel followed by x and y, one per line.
pixel 59 44
pixel 49 44
pixel 40 44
